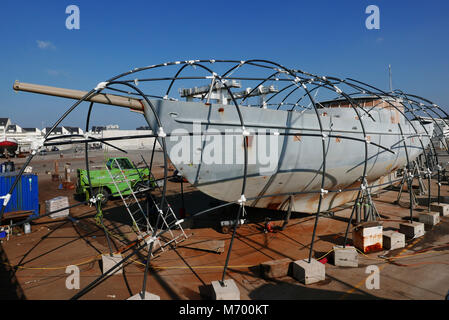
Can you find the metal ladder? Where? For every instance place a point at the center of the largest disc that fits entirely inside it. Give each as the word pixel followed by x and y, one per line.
pixel 169 220
pixel 141 223
pixel 409 174
pixel 420 174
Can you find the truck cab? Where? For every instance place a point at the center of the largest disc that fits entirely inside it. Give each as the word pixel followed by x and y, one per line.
pixel 124 164
pixel 116 179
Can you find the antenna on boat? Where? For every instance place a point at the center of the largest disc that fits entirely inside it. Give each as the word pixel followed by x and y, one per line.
pixel 391 83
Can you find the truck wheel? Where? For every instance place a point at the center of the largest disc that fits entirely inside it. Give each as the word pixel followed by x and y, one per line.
pixel 103 194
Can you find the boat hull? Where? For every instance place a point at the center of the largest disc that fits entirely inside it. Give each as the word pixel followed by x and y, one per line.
pixel 285 151
pixel 8 146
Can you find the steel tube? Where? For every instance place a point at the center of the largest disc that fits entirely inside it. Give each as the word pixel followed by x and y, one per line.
pixel 103 98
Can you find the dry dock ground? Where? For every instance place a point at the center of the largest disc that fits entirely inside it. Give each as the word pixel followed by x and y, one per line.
pixel 34 264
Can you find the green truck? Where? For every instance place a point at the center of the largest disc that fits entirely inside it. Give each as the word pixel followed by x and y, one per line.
pixel 103 186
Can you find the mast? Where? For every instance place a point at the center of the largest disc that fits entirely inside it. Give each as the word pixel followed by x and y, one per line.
pixel 391 82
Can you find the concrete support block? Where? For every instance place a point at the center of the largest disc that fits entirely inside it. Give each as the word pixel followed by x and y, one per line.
pixel 57 204
pixel 109 262
pixel 229 291
pixel 441 208
pixel 308 273
pixel 275 268
pixel 412 230
pixel 393 240
pixel 367 237
pixel 346 256
pixel 148 296
pixel 429 218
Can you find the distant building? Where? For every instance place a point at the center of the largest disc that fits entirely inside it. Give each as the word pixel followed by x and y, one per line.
pixel 57 130
pixel 74 130
pixel 27 136
pixel 4 123
pixel 126 144
pixel 98 129
pixel 143 128
pixel 32 131
pixel 24 136
pixel 13 128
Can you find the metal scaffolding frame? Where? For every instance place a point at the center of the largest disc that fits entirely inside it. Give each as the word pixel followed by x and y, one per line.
pixel 297 92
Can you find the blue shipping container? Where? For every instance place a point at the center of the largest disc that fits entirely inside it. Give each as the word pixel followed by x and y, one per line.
pixel 25 196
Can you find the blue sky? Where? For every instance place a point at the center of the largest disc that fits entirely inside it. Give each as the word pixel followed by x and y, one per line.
pixel 324 37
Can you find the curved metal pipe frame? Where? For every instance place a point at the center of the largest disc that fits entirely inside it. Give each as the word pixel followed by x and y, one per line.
pixel 400 96
pixel 294 81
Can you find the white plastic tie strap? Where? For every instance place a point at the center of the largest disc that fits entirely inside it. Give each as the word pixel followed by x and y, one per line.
pixel 161 133
pixel 245 132
pixel 323 192
pixel 179 222
pixel 242 199
pixel 92 201
pixel 101 86
pixel 36 146
pixel 150 240
pixel 6 199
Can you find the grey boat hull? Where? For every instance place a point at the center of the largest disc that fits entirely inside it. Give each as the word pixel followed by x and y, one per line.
pixel 295 162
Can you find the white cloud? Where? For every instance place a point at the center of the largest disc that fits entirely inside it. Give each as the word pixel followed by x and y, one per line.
pixel 57 73
pixel 45 44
